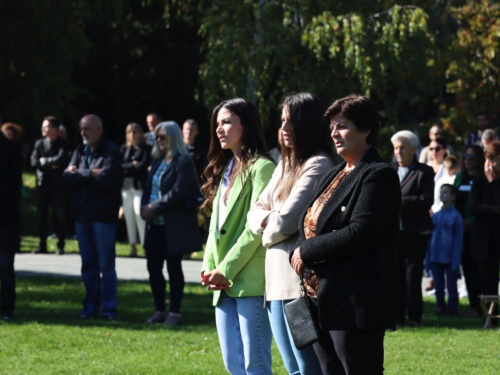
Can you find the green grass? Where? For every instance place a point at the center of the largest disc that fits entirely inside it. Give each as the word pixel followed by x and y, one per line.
pixel 46 338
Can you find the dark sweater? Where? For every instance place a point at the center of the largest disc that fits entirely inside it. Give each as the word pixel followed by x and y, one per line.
pixel 96 197
pixel 11 168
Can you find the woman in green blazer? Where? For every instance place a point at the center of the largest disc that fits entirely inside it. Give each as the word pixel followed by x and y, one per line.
pixel 233 265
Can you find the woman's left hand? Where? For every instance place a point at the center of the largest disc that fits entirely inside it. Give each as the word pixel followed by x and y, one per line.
pixel 147 212
pixel 297 263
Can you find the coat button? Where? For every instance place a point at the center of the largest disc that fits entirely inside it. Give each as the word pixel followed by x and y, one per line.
pixel 222 231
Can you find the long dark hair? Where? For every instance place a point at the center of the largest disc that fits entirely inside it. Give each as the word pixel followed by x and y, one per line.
pixel 252 145
pixel 309 134
pixel 478 153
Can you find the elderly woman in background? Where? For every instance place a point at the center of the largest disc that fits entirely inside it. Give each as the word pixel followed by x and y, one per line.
pixel 347 249
pixel 171 230
pixel 485 207
pixel 136 159
pixel 417 189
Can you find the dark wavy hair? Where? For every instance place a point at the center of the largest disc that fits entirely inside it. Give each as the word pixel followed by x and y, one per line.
pixel 252 146
pixel 310 135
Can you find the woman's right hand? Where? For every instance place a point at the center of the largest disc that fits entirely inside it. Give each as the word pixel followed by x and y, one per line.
pixel 214 280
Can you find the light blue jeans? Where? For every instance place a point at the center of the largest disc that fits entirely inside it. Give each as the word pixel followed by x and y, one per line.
pixel 244 334
pixel 304 361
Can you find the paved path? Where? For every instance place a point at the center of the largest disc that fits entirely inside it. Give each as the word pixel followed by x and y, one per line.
pixel 69 265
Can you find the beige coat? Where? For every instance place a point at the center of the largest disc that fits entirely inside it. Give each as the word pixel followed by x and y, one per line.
pixel 281 232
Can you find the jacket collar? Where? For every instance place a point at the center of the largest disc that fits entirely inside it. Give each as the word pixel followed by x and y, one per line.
pixel 234 196
pixel 340 194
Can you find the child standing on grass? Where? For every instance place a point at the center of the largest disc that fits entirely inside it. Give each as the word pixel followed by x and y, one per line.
pixel 445 249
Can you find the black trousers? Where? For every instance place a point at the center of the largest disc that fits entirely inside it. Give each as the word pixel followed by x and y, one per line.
pixel 47 196
pixel 349 352
pixel 471 274
pixel 9 243
pixel 488 272
pixel 156 254
pixel 412 249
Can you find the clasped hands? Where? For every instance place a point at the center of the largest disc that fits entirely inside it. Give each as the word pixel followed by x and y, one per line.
pixel 214 280
pixel 147 212
pixel 489 171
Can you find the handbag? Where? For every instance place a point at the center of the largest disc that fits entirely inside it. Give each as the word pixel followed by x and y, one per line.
pixel 300 320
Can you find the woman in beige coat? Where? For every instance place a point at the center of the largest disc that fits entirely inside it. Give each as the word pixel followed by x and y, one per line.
pixel 307 155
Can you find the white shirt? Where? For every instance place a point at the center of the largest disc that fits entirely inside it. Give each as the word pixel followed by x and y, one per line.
pixel 222 204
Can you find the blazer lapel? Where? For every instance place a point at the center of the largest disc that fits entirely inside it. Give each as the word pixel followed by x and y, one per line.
pixel 408 176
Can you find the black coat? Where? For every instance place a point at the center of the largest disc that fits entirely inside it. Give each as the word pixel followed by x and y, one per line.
pixel 56 154
pixel 11 169
pixel 135 175
pixel 181 225
pixel 417 190
pixel 96 197
pixel 484 205
pixel 354 252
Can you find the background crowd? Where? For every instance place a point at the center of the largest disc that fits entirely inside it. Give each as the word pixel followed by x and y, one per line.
pixel 449 211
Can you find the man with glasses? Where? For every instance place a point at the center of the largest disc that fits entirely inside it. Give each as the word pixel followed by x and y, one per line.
pixel 50 157
pixel 95 174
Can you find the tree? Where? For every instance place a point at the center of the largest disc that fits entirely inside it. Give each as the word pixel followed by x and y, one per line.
pixel 474 68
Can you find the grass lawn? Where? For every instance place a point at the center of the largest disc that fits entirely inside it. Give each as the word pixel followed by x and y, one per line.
pixel 46 338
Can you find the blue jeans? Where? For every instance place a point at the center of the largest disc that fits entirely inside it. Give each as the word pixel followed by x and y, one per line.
pixel 439 270
pixel 296 361
pixel 244 334
pixel 97 248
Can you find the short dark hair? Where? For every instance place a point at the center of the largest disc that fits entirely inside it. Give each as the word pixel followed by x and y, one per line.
pixel 360 110
pixel 1 118
pixel 453 189
pixel 191 121
pixel 53 121
pixel 155 115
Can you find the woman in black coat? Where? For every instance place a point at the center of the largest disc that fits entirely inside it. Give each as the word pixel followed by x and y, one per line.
pixel 171 230
pixel 136 160
pixel 347 254
pixel 484 205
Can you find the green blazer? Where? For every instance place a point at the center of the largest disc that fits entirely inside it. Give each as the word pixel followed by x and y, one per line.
pixel 238 254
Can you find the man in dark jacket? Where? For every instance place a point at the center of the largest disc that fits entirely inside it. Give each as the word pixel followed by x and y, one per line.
pixel 417 189
pixel 197 151
pixel 50 158
pixel 95 174
pixel 11 167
